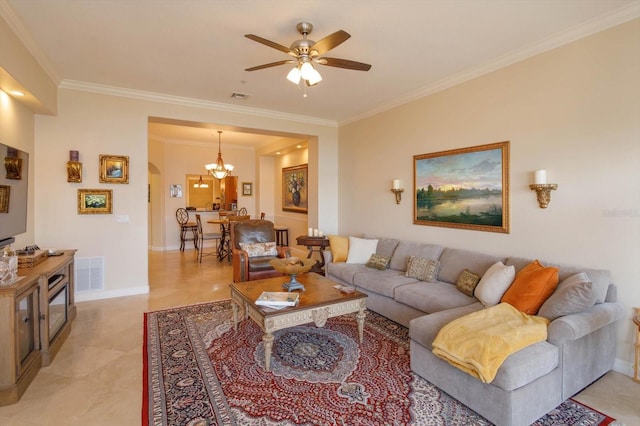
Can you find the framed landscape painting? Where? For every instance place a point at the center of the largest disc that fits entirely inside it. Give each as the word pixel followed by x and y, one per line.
pixel 465 188
pixel 95 201
pixel 114 169
pixel 294 189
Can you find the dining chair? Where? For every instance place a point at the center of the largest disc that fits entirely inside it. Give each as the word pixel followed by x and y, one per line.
pixel 242 211
pixel 262 216
pixel 182 216
pixel 232 220
pixel 202 237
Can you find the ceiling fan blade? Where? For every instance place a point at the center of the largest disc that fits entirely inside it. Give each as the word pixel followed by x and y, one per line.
pixel 270 43
pixel 272 64
pixel 345 63
pixel 329 42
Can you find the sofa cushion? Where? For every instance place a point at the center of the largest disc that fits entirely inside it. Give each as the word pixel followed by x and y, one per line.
pixel 361 249
pixel 422 269
pixel 339 247
pixel 574 294
pixel 406 249
pixel 424 329
pixel 527 365
pixel 454 261
pixel 532 287
pixel 494 283
pixel 381 282
pixel 431 297
pixel 377 261
pixel 600 278
pixel 467 282
pixel 345 271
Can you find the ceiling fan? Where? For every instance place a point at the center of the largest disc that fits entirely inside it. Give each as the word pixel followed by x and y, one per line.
pixel 308 52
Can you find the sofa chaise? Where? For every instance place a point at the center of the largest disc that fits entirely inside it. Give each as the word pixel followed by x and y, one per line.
pixel 580 347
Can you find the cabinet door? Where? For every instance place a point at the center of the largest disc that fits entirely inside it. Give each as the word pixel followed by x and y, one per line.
pixel 27 327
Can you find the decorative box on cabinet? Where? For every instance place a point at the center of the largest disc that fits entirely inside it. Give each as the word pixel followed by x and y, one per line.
pixel 36 313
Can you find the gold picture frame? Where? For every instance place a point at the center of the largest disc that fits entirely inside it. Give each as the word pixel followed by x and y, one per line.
pixel 114 168
pixel 247 189
pixel 5 192
pixel 294 189
pixel 95 201
pixel 465 188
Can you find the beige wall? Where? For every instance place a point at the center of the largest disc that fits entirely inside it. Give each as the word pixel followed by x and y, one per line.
pixel 98 124
pixel 574 111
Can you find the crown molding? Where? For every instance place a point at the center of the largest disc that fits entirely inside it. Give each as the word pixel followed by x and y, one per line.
pixel 592 26
pixel 190 102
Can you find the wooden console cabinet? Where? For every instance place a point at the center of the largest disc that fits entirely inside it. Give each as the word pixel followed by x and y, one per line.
pixel 36 313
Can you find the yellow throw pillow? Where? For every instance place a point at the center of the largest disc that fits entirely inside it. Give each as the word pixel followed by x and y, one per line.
pixel 531 287
pixel 339 248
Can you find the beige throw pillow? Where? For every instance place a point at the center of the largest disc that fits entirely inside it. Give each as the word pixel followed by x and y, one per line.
pixel 422 269
pixel 494 283
pixel 377 261
pixel 259 249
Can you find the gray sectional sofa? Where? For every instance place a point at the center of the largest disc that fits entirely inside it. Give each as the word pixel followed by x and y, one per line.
pixel 579 349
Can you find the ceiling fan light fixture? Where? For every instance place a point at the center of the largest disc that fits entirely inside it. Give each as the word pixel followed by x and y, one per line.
pixel 306 70
pixel 294 75
pixel 314 78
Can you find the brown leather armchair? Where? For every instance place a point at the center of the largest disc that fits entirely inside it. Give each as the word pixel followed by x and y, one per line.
pixel 246 268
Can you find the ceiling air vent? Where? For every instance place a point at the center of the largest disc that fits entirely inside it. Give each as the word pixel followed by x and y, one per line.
pixel 236 95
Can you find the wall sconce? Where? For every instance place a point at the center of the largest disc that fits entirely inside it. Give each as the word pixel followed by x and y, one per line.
pixel 74 167
pixel 395 188
pixel 542 188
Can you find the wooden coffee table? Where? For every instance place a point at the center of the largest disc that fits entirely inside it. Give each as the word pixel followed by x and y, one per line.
pixel 318 302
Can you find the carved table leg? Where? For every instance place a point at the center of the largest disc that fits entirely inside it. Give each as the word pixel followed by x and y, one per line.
pixel 360 316
pixel 234 308
pixel 267 339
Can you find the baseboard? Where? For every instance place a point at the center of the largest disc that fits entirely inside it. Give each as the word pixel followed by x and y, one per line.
pixel 109 294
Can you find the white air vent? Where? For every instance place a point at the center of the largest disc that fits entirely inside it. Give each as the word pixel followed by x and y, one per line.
pixel 89 273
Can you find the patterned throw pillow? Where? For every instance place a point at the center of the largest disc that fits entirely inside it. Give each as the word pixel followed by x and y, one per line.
pixel 259 249
pixel 467 282
pixel 422 269
pixel 378 262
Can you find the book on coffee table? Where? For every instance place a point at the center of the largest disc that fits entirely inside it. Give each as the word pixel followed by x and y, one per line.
pixel 275 299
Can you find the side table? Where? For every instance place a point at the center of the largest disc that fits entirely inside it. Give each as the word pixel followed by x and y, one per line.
pixel 317 244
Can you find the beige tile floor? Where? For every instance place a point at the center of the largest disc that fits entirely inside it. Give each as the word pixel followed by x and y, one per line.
pixel 96 379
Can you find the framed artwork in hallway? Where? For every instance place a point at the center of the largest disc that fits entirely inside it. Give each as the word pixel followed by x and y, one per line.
pixel 294 189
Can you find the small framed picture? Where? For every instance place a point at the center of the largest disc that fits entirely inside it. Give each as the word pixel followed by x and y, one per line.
pixel 5 191
pixel 247 188
pixel 95 201
pixel 175 191
pixel 114 169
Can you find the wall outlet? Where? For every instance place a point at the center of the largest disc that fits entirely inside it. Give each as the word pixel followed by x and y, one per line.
pixel 122 218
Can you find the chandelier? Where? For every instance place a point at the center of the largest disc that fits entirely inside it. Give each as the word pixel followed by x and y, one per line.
pixel 200 184
pixel 219 170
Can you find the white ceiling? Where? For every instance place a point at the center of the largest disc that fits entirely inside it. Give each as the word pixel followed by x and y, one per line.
pixel 197 49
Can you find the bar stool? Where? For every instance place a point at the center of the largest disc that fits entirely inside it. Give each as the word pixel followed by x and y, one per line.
pixel 182 216
pixel 282 236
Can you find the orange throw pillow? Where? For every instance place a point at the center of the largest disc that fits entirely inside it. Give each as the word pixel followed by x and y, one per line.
pixel 531 287
pixel 339 248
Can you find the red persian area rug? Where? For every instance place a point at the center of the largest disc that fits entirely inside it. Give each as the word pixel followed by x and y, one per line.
pixel 199 371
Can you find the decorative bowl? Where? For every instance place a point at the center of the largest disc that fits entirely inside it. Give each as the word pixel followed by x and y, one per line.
pixel 292 266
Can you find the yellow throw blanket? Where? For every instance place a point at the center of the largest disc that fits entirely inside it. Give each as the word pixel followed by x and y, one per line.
pixel 478 343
